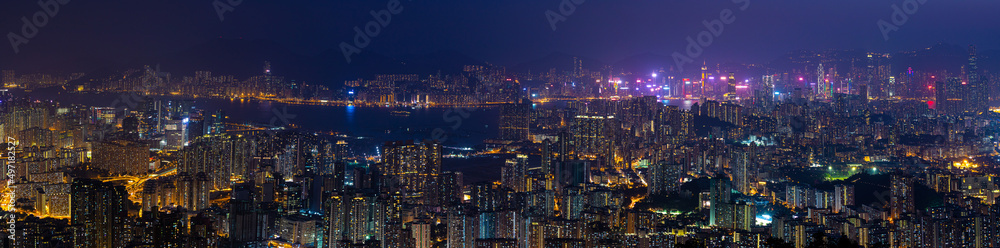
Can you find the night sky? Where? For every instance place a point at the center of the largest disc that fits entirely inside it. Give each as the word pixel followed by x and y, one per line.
pixel 84 34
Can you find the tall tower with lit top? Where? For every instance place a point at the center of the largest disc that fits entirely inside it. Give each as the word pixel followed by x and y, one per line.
pixel 704 75
pixel 731 88
pixel 821 85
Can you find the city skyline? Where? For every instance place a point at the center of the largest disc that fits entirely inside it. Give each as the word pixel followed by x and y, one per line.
pixel 521 124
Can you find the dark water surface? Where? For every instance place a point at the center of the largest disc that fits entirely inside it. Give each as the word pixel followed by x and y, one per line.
pixel 375 122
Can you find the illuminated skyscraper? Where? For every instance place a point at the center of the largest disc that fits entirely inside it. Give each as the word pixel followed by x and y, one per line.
pixel 720 207
pixel 223 159
pixel 175 130
pixel 412 167
pixel 298 230
pixel 461 227
pixel 577 67
pixel 513 175
pixel 486 196
pixel 843 197
pixel 704 76
pixel 764 97
pixel 879 71
pixel 450 188
pixel 664 177
pixel 728 112
pixel 590 134
pixel 822 85
pixel 195 127
pixel 121 157
pixel 336 218
pixel 902 201
pixel 422 233
pixel 573 202
pixel 978 90
pixel 744 214
pixel 365 218
pixel 672 124
pixel 743 171
pixel 100 212
pixel 731 88
pixel 950 96
pixel 514 120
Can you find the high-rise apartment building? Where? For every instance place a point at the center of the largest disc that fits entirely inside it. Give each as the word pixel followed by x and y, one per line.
pixel 100 212
pixel 515 118
pixel 412 168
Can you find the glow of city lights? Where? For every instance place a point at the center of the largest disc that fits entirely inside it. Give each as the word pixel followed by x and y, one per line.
pixel 604 152
pixel 965 165
pixel 764 219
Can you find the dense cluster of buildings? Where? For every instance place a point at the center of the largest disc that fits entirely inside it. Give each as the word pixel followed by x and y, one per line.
pixel 11 80
pixel 828 153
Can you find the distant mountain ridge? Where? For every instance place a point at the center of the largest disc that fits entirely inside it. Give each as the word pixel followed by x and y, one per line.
pixel 559 61
pixel 244 58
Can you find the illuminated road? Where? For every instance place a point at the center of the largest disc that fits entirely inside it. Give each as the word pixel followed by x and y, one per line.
pixel 6 199
pixel 134 184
